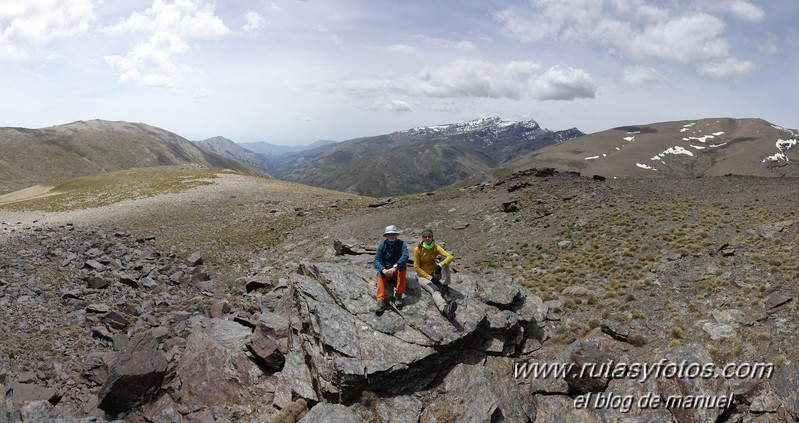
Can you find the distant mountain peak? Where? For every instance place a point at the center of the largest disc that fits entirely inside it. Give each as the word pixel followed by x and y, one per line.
pixel 472 125
pixel 420 159
pixel 230 149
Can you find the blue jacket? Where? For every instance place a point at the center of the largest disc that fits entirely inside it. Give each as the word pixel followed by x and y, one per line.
pixel 388 255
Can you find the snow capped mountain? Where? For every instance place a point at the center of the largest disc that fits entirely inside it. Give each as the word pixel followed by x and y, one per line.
pixel 485 130
pixel 705 147
pixel 419 159
pixel 488 123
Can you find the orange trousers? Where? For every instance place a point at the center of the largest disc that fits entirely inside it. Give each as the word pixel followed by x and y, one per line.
pixel 398 277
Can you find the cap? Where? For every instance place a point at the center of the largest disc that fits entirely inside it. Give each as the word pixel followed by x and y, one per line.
pixel 427 231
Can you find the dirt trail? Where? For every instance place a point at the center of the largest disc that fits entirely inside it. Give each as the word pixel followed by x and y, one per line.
pixel 26 194
pixel 224 185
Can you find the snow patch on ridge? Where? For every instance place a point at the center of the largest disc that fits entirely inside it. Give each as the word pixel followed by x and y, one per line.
pixel 673 150
pixel 783 146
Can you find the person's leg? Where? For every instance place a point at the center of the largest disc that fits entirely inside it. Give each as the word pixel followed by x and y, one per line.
pixel 398 285
pixel 430 287
pixel 446 306
pixel 401 282
pixel 381 288
pixel 382 304
pixel 446 278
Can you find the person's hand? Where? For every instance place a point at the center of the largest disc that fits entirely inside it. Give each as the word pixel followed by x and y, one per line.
pixel 438 270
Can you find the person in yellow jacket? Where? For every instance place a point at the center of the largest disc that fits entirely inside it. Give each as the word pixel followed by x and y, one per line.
pixel 434 277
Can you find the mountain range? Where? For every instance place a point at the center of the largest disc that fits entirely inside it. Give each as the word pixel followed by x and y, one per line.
pixel 420 159
pixel 33 156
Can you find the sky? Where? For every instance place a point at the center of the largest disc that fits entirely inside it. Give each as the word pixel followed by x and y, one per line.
pixel 293 72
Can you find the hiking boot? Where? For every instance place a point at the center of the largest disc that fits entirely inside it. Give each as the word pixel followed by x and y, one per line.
pixel 449 310
pixel 382 306
pixel 398 301
pixel 444 290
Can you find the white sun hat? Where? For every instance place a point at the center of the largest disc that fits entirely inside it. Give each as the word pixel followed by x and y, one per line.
pixel 390 229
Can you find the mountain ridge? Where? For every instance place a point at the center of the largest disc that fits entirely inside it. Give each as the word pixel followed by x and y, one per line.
pixel 226 147
pixel 34 156
pixel 687 148
pixel 419 159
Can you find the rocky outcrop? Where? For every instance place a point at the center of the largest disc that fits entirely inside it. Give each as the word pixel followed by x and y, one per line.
pixel 309 347
pixel 350 349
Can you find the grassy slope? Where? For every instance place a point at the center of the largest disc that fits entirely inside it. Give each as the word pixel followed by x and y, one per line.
pixel 226 215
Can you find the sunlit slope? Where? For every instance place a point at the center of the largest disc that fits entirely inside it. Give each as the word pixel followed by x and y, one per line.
pixel 705 147
pixel 32 156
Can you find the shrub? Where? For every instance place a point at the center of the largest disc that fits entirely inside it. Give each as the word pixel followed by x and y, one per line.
pixel 637 340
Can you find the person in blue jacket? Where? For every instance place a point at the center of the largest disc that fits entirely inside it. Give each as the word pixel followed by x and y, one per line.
pixel 391 260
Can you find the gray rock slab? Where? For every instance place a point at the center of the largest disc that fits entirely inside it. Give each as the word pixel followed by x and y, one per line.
pixel 400 409
pixel 135 375
pixel 324 413
pixel 352 349
pixel 477 393
pixel 215 370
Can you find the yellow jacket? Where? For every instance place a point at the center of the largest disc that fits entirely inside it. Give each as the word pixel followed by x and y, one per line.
pixel 424 260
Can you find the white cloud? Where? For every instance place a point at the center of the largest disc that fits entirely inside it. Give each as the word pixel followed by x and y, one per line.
pixel 631 29
pixel 478 79
pixel 747 11
pixel 444 106
pixel 563 84
pixel 726 68
pixel 466 78
pixel 462 45
pixel 689 40
pixel 26 27
pixel 253 21
pixel 402 48
pixel 526 27
pixel 465 46
pixel 393 106
pixel 638 9
pixel 152 62
pixel 638 76
pixel 188 18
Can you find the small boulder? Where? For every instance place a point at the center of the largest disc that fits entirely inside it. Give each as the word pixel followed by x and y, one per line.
pixel 263 344
pixel 135 375
pixel 195 259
